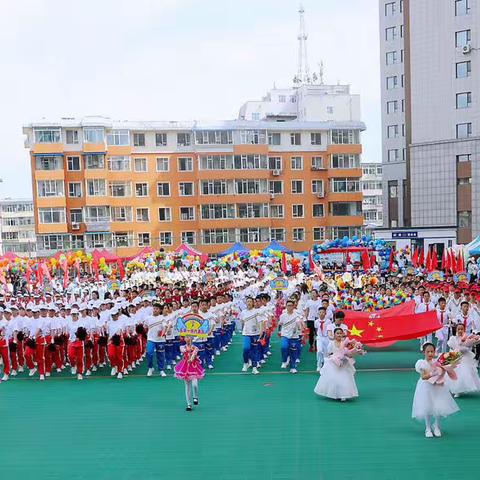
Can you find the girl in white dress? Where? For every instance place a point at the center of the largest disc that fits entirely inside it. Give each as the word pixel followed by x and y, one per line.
pixel 467 377
pixel 431 400
pixel 337 374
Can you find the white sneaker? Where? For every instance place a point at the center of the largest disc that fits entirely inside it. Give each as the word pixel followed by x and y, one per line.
pixel 269 353
pixel 343 399
pixel 32 372
pixel 74 370
pixel 284 365
pixel 436 431
pixel 94 368
pixel 293 370
pixel 217 352
pixel 21 369
pixel 59 370
pixel 47 374
pixel 150 372
pixel 255 371
pixel 262 361
pixel 249 363
pixel 42 377
pixel 245 367
pixel 129 368
pixel 120 376
pixel 113 372
pixel 163 374
pixel 125 371
pixel 88 373
pixel 169 367
pixel 318 369
pixel 428 433
pixel 224 349
pixel 297 360
pixel 456 395
pixel 79 376
pixel 5 377
pixel 210 367
pixel 13 373
pixel 178 357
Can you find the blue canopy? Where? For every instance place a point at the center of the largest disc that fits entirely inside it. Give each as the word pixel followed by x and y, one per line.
pixel 235 248
pixel 274 245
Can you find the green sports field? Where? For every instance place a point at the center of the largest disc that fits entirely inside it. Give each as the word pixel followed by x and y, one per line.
pixel 269 426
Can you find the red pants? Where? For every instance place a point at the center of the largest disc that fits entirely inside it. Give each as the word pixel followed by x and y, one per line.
pixel 115 355
pixel 75 355
pixel 95 352
pixel 52 357
pixel 38 355
pixel 5 357
pixel 102 353
pixel 88 358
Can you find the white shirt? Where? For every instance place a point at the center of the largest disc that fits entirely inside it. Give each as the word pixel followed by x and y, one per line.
pixel 291 324
pixel 250 321
pixel 155 326
pixel 312 306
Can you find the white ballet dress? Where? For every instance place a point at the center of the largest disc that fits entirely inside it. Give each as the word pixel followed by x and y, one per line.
pixel 336 382
pixel 431 399
pixel 467 377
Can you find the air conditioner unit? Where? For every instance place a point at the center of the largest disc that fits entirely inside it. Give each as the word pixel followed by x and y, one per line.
pixel 75 226
pixel 276 172
pixel 466 49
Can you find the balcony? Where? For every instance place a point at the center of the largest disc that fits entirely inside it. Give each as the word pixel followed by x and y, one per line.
pixel 98 224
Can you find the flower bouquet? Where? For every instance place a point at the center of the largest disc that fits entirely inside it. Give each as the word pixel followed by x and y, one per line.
pixel 445 365
pixel 470 340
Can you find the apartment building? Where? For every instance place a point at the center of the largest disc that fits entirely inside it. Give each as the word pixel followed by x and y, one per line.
pixel 372 195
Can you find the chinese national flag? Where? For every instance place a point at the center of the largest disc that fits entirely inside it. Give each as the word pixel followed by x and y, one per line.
pixel 453 263
pixel 421 259
pixel 444 260
pixel 434 260
pixel 460 266
pixel 284 263
pixel 311 263
pixel 415 258
pixel 428 261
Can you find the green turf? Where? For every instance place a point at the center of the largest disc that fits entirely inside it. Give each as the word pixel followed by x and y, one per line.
pixel 270 426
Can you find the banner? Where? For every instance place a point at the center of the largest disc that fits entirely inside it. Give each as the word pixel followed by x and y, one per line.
pixel 193 325
pixel 436 275
pixel 279 283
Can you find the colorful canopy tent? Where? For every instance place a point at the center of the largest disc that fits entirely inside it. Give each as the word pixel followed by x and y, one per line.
pixel 143 251
pixel 185 249
pixel 276 247
pixel 235 248
pixel 108 256
pixel 9 256
pixel 473 248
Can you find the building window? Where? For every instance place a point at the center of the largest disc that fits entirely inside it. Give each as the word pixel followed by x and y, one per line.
pixel 94 161
pixel 318 234
pixel 253 137
pixel 143 214
pixel 464 181
pixel 464 130
pixel 391 58
pixel 345 185
pixel 163 189
pixel 93 135
pixel 50 242
pixel 253 235
pixel 276 211
pixel 97 240
pixel 329 111
pixel 51 215
pixel 71 137
pixel 163 164
pixel 184 139
pixel 119 164
pixel 253 210
pixel 50 188
pixel 282 98
pixel 296 163
pixel 277 234
pixel 275 163
pixel 274 138
pixel 214 137
pixel 464 219
pixel 75 189
pixel 295 139
pixel 275 187
pixel 97 214
pixel 464 158
pixel 394 155
pixel 217 211
pixel 48 162
pixel 316 138
pixel 344 160
pixel 76 215
pixel 318 210
pixel 118 138
pixel 317 187
pixel 393 189
pixel 297 211
pixel 164 214
pixel 390 33
pixel 392 82
pixel 140 164
pixel 463 69
pixel 187 213
pixel 166 238
pixel 186 189
pixel 345 137
pixel 392 131
pixel 141 189
pixel 464 100
pixel 255 116
pixel 121 214
pixel 161 139
pixel 298 234
pixel 390 9
pixel 96 187
pixel 121 239
pixel 345 209
pixel 47 135
pixel 77 242
pixel 392 107
pixel 217 187
pixel 317 163
pixel 185 164
pixel 461 7
pixel 143 239
pixel 218 235
pixel 462 38
pixel 138 139
pixel 120 189
pixel 73 164
pixel 188 238
pixel 297 186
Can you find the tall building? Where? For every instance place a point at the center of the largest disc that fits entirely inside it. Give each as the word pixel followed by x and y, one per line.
pixel 17 227
pixel 436 194
pixel 372 195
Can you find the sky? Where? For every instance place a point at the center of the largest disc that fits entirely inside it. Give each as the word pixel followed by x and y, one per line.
pixel 170 60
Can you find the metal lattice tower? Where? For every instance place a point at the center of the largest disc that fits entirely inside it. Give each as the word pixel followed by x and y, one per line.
pixel 303 71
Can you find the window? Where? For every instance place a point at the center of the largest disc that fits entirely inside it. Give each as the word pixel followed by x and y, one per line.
pixel 317 187
pixel 185 189
pixel 143 239
pixel 141 189
pixel 163 164
pixel 391 57
pixel 298 234
pixel 392 106
pixel 97 214
pixel 392 131
pixel 255 116
pixel 75 189
pixel 345 185
pixel 464 181
pixel 216 162
pixel 121 239
pixel 50 188
pixel 276 211
pixel 165 214
pixel 392 82
pixel 51 215
pixel 316 138
pixel 187 213
pixel 275 187
pixel 48 162
pixel 295 139
pixel 462 38
pixel 297 211
pixel 50 242
pixel 185 164
pixel 166 238
pixel 163 189
pixel 345 160
pixel 275 163
pixel 296 163
pixel 119 164
pixel 140 164
pixel 394 155
pixel 217 187
pixel 47 135
pixel 97 240
pixel 71 137
pixel 121 214
pixel 297 186
pixel 142 214
pixel 461 7
pixel 254 137
pixel 183 139
pixel 318 210
pixel 317 163
pixel 94 161
pixel 161 139
pixel 318 234
pixel 463 69
pixel 250 187
pixel 214 137
pixel 188 238
pixel 464 100
pixel 138 139
pixel 345 137
pixel 250 162
pixel 464 219
pixel 218 235
pixel 390 33
pixel 120 189
pixel 393 189
pixel 253 210
pixel 330 110
pixel 345 209
pixel 118 138
pixel 96 187
pixel 93 135
pixel 76 215
pixel 464 130
pixel 77 242
pixel 282 98
pixel 277 234
pixel 464 158
pixel 390 9
pixel 73 164
pixel 274 138
pixel 217 211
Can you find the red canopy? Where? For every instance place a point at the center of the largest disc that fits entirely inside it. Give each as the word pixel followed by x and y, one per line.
pixel 191 251
pixel 108 256
pixel 143 251
pixel 9 256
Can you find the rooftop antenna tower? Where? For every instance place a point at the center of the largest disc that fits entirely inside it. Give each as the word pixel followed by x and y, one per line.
pixel 303 71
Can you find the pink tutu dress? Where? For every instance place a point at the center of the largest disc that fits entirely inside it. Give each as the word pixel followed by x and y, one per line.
pixel 189 367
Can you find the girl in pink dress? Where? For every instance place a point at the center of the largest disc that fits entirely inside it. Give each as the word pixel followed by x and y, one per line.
pixel 190 370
